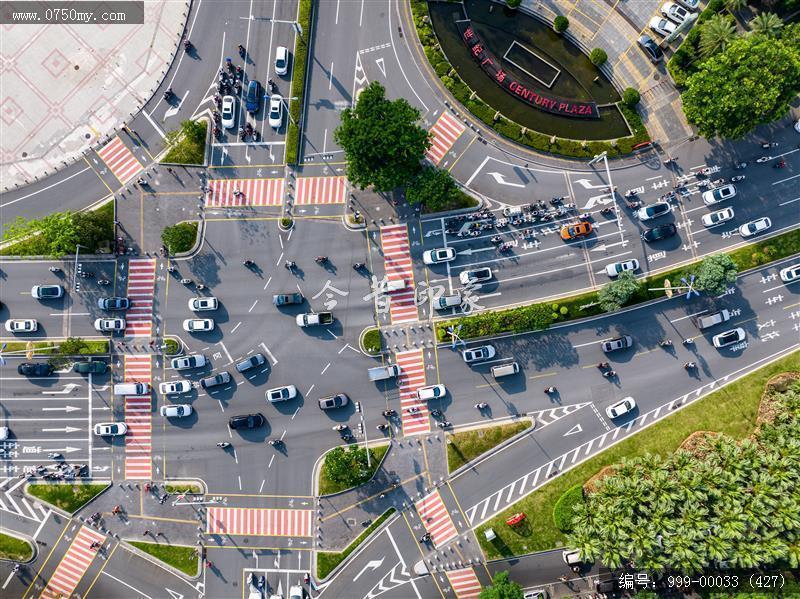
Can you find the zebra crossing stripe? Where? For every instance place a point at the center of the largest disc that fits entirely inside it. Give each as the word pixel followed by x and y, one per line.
pixel 464 582
pixel 73 565
pixel 229 193
pixel 444 134
pixel 321 190
pixel 120 160
pixel 436 519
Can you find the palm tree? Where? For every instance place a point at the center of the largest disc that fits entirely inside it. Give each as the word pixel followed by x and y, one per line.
pixel 735 5
pixel 767 24
pixel 717 33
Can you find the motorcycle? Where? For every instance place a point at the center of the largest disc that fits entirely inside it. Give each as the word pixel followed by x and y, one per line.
pixel 610 374
pixel 764 159
pixel 665 343
pixel 505 247
pixel 241 50
pixel 321 259
pixel 769 144
pixel 168 94
pixel 603 365
pixel 241 133
pixel 389 413
pixel 103 282
pixel 186 281
pixel 358 266
pixel 54 269
pixel 436 413
pixel 556 201
pixel 412 410
pixel 585 216
pixel 444 424
pixel 481 406
pixel 275 442
pixel 740 165
pixel 187 45
pixel 382 427
pixel 689 365
pixel 217 132
pixel 496 240
pixel 688 341
pixel 737 178
pixel 223 445
pixel 549 390
pixel 607 211
pixel 780 164
pixel 425 538
pixel 631 193
pixel 717 182
pixel 290 264
pixel 248 263
pixel 87 274
pixel 340 427
pixel 217 117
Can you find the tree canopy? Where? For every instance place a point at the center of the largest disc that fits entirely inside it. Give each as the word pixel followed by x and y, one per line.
pixel 502 588
pixel 432 187
pixel 715 273
pixel 382 142
pixel 616 294
pixel 750 83
pixel 346 466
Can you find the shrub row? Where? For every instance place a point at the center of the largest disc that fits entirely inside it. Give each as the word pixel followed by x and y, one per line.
pixel 686 60
pixel 298 82
pixel 506 127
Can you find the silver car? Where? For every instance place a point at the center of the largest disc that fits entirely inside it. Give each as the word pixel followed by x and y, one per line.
pixel 616 343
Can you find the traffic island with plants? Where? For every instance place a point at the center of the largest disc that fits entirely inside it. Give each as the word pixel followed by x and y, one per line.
pixel 60 352
pixel 463 447
pixel 713 274
pixel 67 497
pixel 14 548
pixel 346 468
pixel 328 560
pixel 299 65
pixel 58 234
pixel 181 557
pixel 187 145
pixel 372 341
pixel 180 238
pixel 738 442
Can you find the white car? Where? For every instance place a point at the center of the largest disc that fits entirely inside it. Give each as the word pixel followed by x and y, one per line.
pixel 296 592
pixel 477 275
pixel 439 255
pixel 201 304
pixel 110 429
pixel 431 392
pixel 729 337
pixel 690 4
pixel 790 273
pixel 712 219
pixel 109 324
pixel 622 407
pixel 754 227
pixel 720 194
pixel 47 291
pixel 187 362
pixel 653 211
pixel 662 26
pixel 171 387
pixel 281 393
pixel 615 268
pixel 281 61
pixel 176 410
pixel 674 12
pixel 4 431
pixel 198 325
pixel 478 354
pixel 275 117
pixel 797 126
pixel 22 325
pixel 228 112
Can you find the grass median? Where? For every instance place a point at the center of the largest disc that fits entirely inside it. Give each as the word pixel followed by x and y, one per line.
pixel 298 88
pixel 464 447
pixel 180 557
pixel 331 484
pixel 731 410
pixel 69 498
pixel 328 560
pixel 184 488
pixel 15 549
pixel 54 347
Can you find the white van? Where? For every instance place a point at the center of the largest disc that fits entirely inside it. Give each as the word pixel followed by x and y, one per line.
pixel 447 301
pixel 715 318
pixel 502 370
pixel 385 286
pixel 132 389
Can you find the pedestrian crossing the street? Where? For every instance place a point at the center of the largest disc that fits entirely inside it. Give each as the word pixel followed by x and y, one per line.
pixel 437 521
pixel 464 582
pixel 141 291
pixel 321 190
pixel 120 160
pixel 139 418
pixel 230 193
pixel 260 522
pixel 444 134
pixel 412 377
pixel 398 266
pixel 73 565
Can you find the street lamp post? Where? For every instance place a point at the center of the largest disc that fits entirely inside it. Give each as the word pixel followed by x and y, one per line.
pixel 604 157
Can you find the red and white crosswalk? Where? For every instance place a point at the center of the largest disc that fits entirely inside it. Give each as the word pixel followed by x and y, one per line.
pixel 437 521
pixel 141 291
pixel 265 522
pixel 321 190
pixel 73 565
pixel 464 582
pixel 398 266
pixel 444 134
pixel 254 192
pixel 120 160
pixel 139 418
pixel 412 377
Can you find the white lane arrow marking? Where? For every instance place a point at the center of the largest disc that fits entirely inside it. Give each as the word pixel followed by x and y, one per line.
pixel 173 594
pixel 174 110
pixel 605 246
pixel 434 232
pixel 381 66
pixel 586 184
pixel 66 429
pixel 574 430
pixel 601 199
pixel 470 251
pixel 371 565
pixel 501 180
pixel 65 409
pixel 68 388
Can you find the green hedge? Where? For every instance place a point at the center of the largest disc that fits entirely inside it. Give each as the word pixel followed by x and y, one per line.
pixel 180 238
pixel 539 316
pixel 510 129
pixel 69 498
pixel 13 548
pixel 298 82
pixel 564 509
pixel 686 59
pixel 181 557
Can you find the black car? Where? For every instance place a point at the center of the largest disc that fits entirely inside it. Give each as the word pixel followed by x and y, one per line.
pixel 113 303
pixel 660 232
pixel 93 366
pixel 649 47
pixel 246 421
pixel 285 299
pixel 35 369
pixel 218 379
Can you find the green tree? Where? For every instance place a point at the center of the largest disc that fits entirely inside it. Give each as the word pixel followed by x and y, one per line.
pixel 432 187
pixel 716 34
pixel 382 142
pixel 346 466
pixel 767 23
pixel 72 346
pixel 735 5
pixel 560 23
pixel 631 96
pixel 752 82
pixel 598 57
pixel 188 144
pixel 513 3
pixel 179 238
pixel 502 588
pixel 615 294
pixel 715 273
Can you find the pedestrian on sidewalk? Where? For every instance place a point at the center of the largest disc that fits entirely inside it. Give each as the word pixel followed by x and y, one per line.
pixel 146 532
pixel 563 578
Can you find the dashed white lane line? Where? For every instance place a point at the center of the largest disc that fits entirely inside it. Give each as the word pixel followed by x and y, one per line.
pixel 599 417
pixel 253 306
pixel 233 330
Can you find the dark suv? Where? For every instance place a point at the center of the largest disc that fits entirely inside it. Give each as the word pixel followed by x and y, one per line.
pixel 660 232
pixel 222 378
pixel 35 369
pixel 252 100
pixel 246 421
pixel 250 362
pixel 649 47
pixel 93 366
